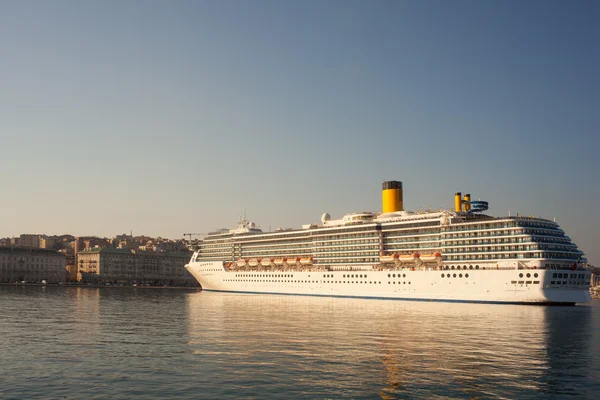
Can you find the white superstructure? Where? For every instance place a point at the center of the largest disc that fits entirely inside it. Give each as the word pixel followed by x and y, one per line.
pixel 459 255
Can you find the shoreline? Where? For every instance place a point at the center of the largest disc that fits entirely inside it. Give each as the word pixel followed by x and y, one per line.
pixel 190 288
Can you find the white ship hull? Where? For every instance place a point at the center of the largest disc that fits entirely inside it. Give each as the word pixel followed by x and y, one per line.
pixel 489 286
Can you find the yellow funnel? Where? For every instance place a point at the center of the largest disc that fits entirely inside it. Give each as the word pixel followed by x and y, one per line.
pixel 391 197
pixel 467 203
pixel 458 202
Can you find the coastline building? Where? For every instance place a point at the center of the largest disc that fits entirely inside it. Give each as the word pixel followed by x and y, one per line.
pixel 30 240
pixel 48 242
pixel 31 265
pixel 125 266
pixel 71 267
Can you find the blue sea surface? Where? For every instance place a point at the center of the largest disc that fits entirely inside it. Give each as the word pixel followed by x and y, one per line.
pixel 137 343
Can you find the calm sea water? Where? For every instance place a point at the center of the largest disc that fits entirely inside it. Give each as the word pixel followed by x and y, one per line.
pixel 128 343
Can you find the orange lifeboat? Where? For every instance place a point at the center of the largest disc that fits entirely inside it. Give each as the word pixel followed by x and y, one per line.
pixel 390 258
pixel 406 258
pixel 253 262
pixel 265 262
pixel 293 261
pixel 279 261
pixel 306 261
pixel 241 262
pixel 429 257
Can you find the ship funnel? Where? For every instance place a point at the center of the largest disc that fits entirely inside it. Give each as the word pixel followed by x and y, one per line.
pixel 458 201
pixel 391 197
pixel 467 203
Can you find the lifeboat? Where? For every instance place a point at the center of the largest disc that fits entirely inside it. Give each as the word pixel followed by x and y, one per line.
pixel 390 258
pixel 241 262
pixel 279 261
pixel 266 262
pixel 293 261
pixel 253 262
pixel 306 261
pixel 429 257
pixel 408 257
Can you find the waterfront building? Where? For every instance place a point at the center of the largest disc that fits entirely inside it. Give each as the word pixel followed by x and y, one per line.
pixel 30 240
pixel 27 264
pixel 48 242
pixel 71 268
pixel 124 266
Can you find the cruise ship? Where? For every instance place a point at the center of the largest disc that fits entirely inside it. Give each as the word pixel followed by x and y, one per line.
pixel 461 254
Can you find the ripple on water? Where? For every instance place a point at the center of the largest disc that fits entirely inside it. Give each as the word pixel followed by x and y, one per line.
pixel 129 343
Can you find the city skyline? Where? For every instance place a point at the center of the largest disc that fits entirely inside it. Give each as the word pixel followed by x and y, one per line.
pixel 167 118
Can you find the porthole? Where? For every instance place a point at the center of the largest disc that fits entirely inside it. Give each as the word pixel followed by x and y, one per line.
pixel 460 275
pixel 394 275
pixel 466 275
pixel 464 267
pixel 470 267
pixel 477 267
pixel 535 275
pixel 443 275
pixel 454 275
pixel 520 275
pixel 389 275
pixel 529 275
pixel 452 267
pixel 404 275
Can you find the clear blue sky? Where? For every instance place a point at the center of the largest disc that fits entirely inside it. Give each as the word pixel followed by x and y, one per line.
pixel 170 117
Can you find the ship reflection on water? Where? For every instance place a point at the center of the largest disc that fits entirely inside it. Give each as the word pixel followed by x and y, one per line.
pixel 336 347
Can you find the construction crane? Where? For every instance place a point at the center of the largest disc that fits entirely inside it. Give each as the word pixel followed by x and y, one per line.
pixel 193 234
pixel 193 245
